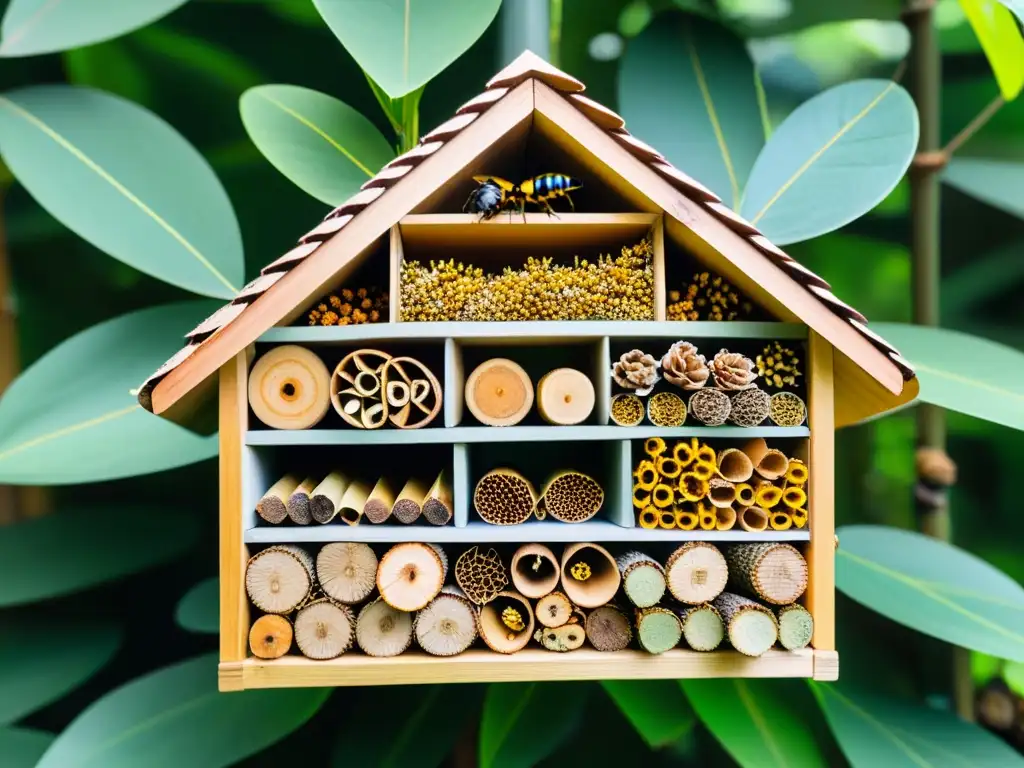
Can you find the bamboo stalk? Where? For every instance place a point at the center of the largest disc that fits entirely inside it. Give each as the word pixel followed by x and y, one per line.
pixel 350 508
pixel 437 505
pixel 409 504
pixel 326 497
pixel 273 506
pixel 298 502
pixel 270 636
pixel 379 503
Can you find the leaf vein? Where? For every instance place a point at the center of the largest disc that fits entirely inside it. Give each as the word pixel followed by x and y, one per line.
pixel 64 431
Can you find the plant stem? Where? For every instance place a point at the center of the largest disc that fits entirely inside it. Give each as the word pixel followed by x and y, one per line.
pixel 555 33
pixel 974 126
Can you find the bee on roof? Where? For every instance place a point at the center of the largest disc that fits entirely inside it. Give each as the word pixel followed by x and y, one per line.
pixel 495 194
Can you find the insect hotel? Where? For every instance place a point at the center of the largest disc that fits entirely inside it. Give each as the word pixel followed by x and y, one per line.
pixel 533 405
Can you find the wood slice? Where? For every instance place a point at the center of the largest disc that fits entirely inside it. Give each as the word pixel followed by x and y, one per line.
pixel 289 388
pixel 658 629
pixel 643 578
pixel 347 571
pixel 299 511
pixel 380 502
pixel 437 505
pixel 796 626
pixel 383 631
pixel 554 610
pixel 326 497
pixel 481 576
pixel 703 628
pixel 448 625
pixel 411 574
pixel 273 507
pixel 565 396
pixel 572 497
pixel 771 571
pixel 590 576
pixel 499 393
pixel 562 639
pixel 504 497
pixel 270 636
pixel 506 623
pixel 752 628
pixel 425 396
pixel 409 504
pixel 696 572
pixel 350 508
pixel 535 570
pixel 279 578
pixel 609 629
pixel 324 629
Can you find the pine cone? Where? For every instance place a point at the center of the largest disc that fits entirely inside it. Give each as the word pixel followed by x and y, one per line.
pixel 685 368
pixel 635 370
pixel 733 370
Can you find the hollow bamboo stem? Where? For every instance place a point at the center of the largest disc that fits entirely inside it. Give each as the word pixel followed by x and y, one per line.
pixel 273 506
pixel 409 504
pixel 437 505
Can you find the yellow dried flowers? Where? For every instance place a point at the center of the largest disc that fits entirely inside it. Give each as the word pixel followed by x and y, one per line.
pixel 778 366
pixel 708 297
pixel 350 307
pixel 612 288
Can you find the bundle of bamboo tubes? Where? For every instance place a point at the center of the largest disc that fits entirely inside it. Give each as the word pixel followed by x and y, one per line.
pixel 503 496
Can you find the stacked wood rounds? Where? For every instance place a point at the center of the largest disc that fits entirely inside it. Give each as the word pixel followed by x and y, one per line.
pixel 499 392
pixel 289 388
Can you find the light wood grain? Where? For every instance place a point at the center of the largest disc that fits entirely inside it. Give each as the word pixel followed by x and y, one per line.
pixel 396 253
pixel 658 246
pixel 821 598
pixel 826 666
pixel 858 397
pixel 234 605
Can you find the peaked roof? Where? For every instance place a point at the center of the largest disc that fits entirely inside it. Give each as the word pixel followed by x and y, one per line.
pixel 511 97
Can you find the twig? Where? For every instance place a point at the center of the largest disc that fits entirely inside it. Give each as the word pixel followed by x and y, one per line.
pixel 974 126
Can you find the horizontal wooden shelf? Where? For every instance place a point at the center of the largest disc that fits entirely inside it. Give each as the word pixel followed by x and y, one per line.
pixel 505 434
pixel 482 666
pixel 536 230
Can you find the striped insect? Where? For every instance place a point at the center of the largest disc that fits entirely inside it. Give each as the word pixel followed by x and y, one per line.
pixel 542 189
pixel 495 194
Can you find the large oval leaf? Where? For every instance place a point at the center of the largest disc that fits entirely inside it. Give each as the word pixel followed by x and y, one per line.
pixel 932 587
pixel 73 550
pixel 656 708
pixel 522 723
pixel 402 44
pixel 38 665
pixel 126 181
pixel 1000 183
pixel 198 610
pixel 877 731
pixel 688 87
pixel 71 418
pixel 754 723
pixel 175 716
pixel 44 26
pixel 1001 40
pixel 832 160
pixel 22 747
pixel 321 144
pixel 964 383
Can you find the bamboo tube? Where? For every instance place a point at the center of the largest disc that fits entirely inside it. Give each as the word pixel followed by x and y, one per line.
pixel 481 577
pixel 298 502
pixel 662 495
pixel 383 631
pixel 745 494
pixel 608 629
pixel 769 463
pixel 289 388
pixel 752 629
pixel 666 519
pixel 424 391
pixel 799 517
pixel 437 505
pixel 534 570
pixel 356 389
pixel 721 493
pixel 796 626
pixel 725 518
pixel 691 487
pixel 686 518
pixel 504 497
pixel 649 518
pixel 796 473
pixel 735 466
pixel 554 610
pixel 643 578
pixel 350 508
pixel 270 636
pixel 347 571
pixel 668 467
pixel 279 578
pixel 646 475
pixel 565 396
pixel 658 629
pixel 780 520
pixel 641 498
pixel 411 574
pixel 506 623
pixel 770 571
pixel 703 628
pixel 573 497
pixel 696 572
pixel 655 447
pixel 379 503
pixel 753 519
pixel 590 576
pixel 794 497
pixel 766 495
pixel 499 393
pixel 447 625
pixel 706 516
pixel 409 504
pixel 324 629
pixel 273 507
pixel 562 639
pixel 326 497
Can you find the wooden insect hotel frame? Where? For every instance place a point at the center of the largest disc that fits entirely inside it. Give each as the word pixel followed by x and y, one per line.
pixel 539 460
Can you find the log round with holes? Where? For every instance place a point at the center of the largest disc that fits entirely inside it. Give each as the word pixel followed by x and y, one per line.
pixel 770 571
pixel 270 636
pixel 279 578
pixel 565 396
pixel 696 572
pixel 383 631
pixel 347 571
pixel 447 625
pixel 324 629
pixel 567 637
pixel 554 610
pixel 289 388
pixel 499 392
pixel 506 622
pixel 411 574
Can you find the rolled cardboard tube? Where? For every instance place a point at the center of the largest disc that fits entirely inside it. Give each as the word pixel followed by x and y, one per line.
pixel 753 519
pixel 506 623
pixel 721 493
pixel 725 518
pixel 534 570
pixel 735 466
pixel 603 580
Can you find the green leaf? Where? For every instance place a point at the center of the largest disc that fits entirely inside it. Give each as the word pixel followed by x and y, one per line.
pixel 108 67
pixel 31 27
pixel 123 179
pixel 1000 183
pixel 38 663
pixel 688 87
pixel 1001 40
pixel 832 160
pixel 1017 6
pixel 176 716
pixel 22 747
pixel 198 610
pixel 754 723
pixel 321 144
pixel 403 44
pixel 877 731
pixel 522 723
pixel 656 708
pixel 73 550
pixel 966 384
pixel 1013 674
pixel 417 739
pixel 984 278
pixel 70 417
pixel 932 587
pixel 199 55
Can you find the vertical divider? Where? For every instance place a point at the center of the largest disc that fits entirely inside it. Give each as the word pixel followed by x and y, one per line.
pixel 658 246
pixel 620 495
pixel 461 484
pixel 603 381
pixel 397 253
pixel 821 589
pixel 454 383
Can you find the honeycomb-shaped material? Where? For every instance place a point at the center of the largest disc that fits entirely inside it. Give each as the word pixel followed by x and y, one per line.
pixel 504 497
pixel 480 575
pixel 573 497
pixel 666 409
pixel 710 406
pixel 627 410
pixel 787 409
pixel 750 407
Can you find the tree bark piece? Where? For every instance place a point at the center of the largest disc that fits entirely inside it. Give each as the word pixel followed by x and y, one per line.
pixel 324 629
pixel 411 574
pixel 590 576
pixel 447 625
pixel 609 629
pixel 273 507
pixel 703 628
pixel 326 497
pixel 504 497
pixel 562 639
pixel 506 623
pixel 753 519
pixel 409 504
pixel 270 636
pixel 279 578
pixel 437 506
pixel 643 578
pixel 770 571
pixel 383 631
pixel 481 577
pixel 554 610
pixel 350 508
pixel 696 572
pixel 299 511
pixel 499 393
pixel 289 388
pixel 735 466
pixel 565 396
pixel 347 571
pixel 572 497
pixel 658 629
pixel 379 503
pixel 534 570
pixel 796 626
pixel 751 628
